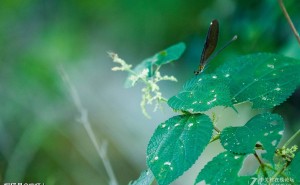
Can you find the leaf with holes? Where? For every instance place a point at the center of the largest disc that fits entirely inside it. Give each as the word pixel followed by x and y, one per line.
pixel 264 79
pixel 176 144
pixel 163 57
pixel 146 178
pixel 266 129
pixel 294 168
pixel 202 93
pixel 223 169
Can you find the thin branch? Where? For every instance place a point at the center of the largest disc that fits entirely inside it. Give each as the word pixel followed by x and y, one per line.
pixel 101 149
pixel 261 164
pixel 278 173
pixel 289 20
pixel 291 138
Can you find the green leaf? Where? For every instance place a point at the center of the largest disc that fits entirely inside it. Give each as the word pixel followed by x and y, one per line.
pixel 176 144
pixel 168 55
pixel 264 79
pixel 202 93
pixel 294 168
pixel 146 178
pixel 163 57
pixel 223 169
pixel 266 129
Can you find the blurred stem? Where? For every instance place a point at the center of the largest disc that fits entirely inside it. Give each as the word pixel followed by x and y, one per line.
pixel 278 173
pixel 101 149
pixel 291 139
pixel 261 164
pixel 289 20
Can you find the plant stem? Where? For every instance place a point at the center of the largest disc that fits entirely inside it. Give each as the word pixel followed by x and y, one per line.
pixel 215 137
pixel 216 129
pixel 101 150
pixel 277 173
pixel 291 139
pixel 289 20
pixel 261 164
pixel 282 174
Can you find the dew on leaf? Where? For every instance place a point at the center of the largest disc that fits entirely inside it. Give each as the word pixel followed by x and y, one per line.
pixel 236 157
pixel 277 89
pixel 177 124
pixel 280 132
pixel 274 142
pixel 163 125
pixel 156 158
pixel 265 134
pixel 264 98
pixel 214 77
pixel 227 75
pixel 270 66
pixel 190 124
pixel 168 163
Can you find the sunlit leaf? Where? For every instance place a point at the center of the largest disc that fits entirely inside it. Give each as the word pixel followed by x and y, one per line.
pixel 223 169
pixel 202 93
pixel 264 79
pixel 266 129
pixel 176 144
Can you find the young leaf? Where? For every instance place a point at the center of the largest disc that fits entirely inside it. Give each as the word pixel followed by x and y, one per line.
pixel 264 79
pixel 168 55
pixel 176 144
pixel 266 129
pixel 146 178
pixel 163 57
pixel 202 93
pixel 294 168
pixel 223 169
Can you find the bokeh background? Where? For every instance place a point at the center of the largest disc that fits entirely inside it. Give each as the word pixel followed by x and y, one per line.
pixel 40 137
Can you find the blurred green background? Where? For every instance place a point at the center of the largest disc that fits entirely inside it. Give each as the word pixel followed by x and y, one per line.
pixel 40 139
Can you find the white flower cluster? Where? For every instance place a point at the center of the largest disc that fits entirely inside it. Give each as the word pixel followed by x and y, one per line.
pixel 151 92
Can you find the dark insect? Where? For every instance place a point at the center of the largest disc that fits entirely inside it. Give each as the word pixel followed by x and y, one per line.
pixel 210 44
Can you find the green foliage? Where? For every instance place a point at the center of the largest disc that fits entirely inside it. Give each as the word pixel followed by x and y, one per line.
pixel 221 168
pixel 264 79
pixel 202 93
pixel 145 178
pixel 163 57
pixel 294 168
pixel 176 144
pixel 266 129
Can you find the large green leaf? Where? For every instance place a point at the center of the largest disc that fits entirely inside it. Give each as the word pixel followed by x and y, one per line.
pixel 146 178
pixel 264 79
pixel 266 129
pixel 223 169
pixel 163 57
pixel 176 144
pixel 294 168
pixel 202 93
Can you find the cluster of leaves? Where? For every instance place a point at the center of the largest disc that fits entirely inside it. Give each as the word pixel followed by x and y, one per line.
pixel 264 79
